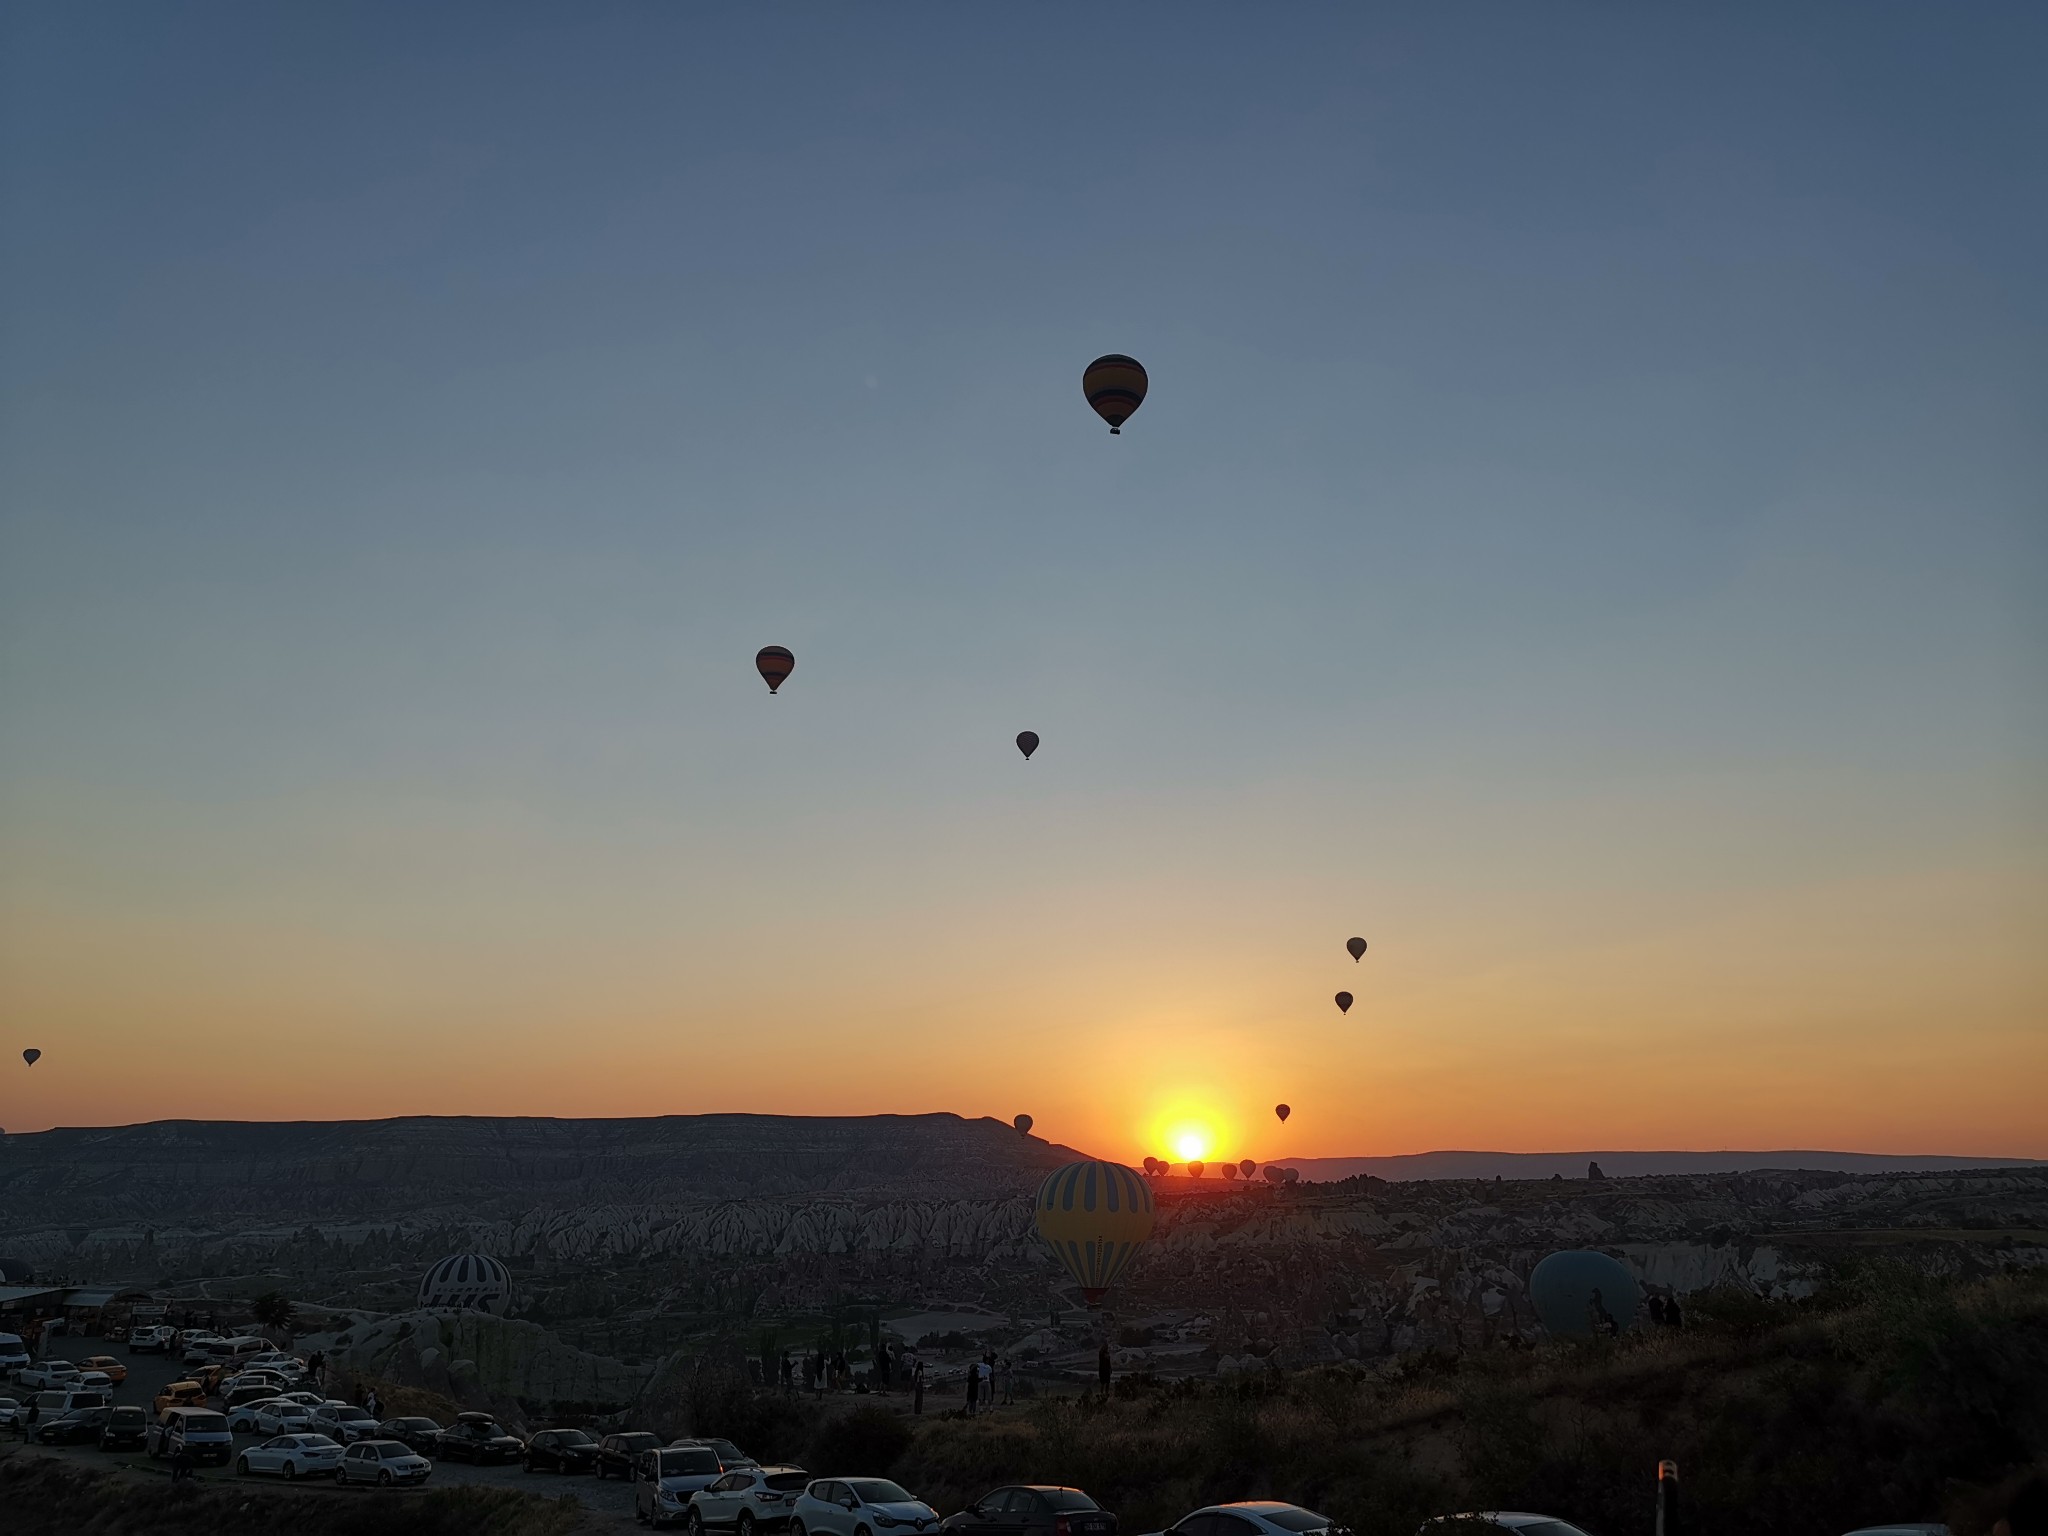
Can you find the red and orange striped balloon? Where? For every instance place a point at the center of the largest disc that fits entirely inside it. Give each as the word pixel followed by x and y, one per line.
pixel 774 664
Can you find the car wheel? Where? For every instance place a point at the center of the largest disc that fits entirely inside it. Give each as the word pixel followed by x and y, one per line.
pixel 860 1530
pixel 291 1471
pixel 744 1526
pixel 693 1522
pixel 384 1477
pixel 796 1527
pixel 526 1463
pixel 242 1467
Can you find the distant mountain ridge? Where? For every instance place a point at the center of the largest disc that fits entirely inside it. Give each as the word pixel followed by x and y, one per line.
pixel 1411 1166
pixel 183 1170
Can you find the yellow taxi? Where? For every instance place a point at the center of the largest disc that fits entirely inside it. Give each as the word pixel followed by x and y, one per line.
pixel 180 1394
pixel 115 1371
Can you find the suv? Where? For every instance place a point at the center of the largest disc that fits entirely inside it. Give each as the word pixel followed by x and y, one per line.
pixel 750 1500
pixel 621 1453
pixel 344 1422
pixel 200 1432
pixel 153 1340
pixel 668 1479
pixel 13 1353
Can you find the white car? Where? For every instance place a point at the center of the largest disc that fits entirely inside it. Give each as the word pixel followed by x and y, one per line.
pixel 665 1481
pixel 13 1353
pixel 1517 1520
pixel 1259 1517
pixel 290 1367
pixel 858 1506
pixel 94 1381
pixel 11 1410
pixel 345 1422
pixel 153 1339
pixel 291 1456
pixel 309 1399
pixel 48 1373
pixel 385 1462
pixel 242 1417
pixel 282 1416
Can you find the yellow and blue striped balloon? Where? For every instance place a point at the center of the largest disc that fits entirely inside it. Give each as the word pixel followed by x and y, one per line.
pixel 1094 1215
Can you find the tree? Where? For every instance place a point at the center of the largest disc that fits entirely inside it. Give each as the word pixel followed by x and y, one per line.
pixel 273 1309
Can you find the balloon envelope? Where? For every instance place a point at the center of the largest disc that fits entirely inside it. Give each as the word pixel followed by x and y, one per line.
pixel 31 1055
pixel 1357 948
pixel 1196 1169
pixel 1247 1167
pixel 1228 1170
pixel 1094 1216
pixel 1115 386
pixel 1283 1111
pixel 1027 743
pixel 774 664
pixel 1343 1002
pixel 1023 1124
pixel 1572 1290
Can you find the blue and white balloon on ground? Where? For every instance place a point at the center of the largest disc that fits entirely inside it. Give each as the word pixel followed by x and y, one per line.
pixel 467 1282
pixel 1582 1291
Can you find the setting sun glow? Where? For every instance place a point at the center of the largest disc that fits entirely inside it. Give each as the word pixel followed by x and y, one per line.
pixel 1191 1143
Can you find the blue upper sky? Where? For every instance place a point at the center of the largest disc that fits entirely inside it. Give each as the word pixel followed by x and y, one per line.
pixel 1592 491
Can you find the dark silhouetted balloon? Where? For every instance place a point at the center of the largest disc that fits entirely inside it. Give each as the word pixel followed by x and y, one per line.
pixel 1274 1175
pixel 1247 1167
pixel 1115 386
pixel 1023 1124
pixel 1343 1002
pixel 1152 1165
pixel 1228 1170
pixel 775 664
pixel 1195 1169
pixel 1283 1111
pixel 1581 1291
pixel 1357 948
pixel 31 1055
pixel 1027 743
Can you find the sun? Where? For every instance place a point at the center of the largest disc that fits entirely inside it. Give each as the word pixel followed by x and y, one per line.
pixel 1191 1142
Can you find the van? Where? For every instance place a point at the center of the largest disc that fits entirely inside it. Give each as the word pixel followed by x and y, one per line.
pixel 13 1353
pixel 242 1346
pixel 200 1432
pixel 58 1400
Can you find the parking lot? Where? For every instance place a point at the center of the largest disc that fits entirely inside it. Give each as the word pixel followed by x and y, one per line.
pixel 148 1374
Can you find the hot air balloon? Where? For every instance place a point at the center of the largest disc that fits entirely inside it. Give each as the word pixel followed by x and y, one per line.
pixel 1283 1111
pixel 1027 743
pixel 1228 1170
pixel 1247 1167
pixel 1094 1215
pixel 1581 1291
pixel 31 1055
pixel 1115 387
pixel 1023 1124
pixel 1357 948
pixel 1195 1170
pixel 1152 1165
pixel 1343 1002
pixel 774 664
pixel 1275 1175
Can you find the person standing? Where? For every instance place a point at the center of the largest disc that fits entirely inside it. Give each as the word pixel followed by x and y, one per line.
pixel 1008 1369
pixel 973 1385
pixel 917 1388
pixel 1102 1366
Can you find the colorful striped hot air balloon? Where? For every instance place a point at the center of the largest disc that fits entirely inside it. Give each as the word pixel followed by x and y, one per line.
pixel 1094 1215
pixel 1115 387
pixel 774 664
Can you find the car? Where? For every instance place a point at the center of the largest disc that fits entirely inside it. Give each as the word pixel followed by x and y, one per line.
pixel 234 1395
pixel 730 1456
pixel 290 1457
pixel 126 1429
pixel 154 1340
pixel 179 1394
pixel 414 1432
pixel 621 1453
pixel 242 1416
pixel 285 1367
pixel 95 1381
pixel 13 1353
pixel 12 1410
pixel 1261 1517
pixel 58 1401
pixel 666 1480
pixel 201 1350
pixel 478 1438
pixel 749 1500
pixel 345 1422
pixel 858 1506
pixel 48 1373
pixel 199 1432
pixel 1519 1521
pixel 1910 1529
pixel 282 1416
pixel 107 1366
pixel 383 1462
pixel 1033 1510
pixel 560 1450
pixel 299 1395
pixel 81 1426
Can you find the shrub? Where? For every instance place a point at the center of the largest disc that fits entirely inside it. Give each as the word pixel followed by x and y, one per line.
pixel 868 1440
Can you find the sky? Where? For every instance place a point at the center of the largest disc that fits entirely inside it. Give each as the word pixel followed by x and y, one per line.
pixel 1587 535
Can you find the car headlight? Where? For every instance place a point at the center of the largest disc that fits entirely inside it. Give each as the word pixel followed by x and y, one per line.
pixel 885 1521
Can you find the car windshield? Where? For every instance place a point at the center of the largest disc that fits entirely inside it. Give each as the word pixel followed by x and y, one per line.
pixel 415 1423
pixel 1295 1519
pixel 1549 1528
pixel 571 1437
pixel 128 1415
pixel 205 1422
pixel 639 1440
pixel 783 1482
pixel 1067 1498
pixel 873 1490
pixel 353 1415
pixel 391 1450
pixel 474 1428
pixel 692 1461
pixel 727 1451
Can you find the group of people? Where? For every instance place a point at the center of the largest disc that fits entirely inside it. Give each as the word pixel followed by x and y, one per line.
pixel 824 1371
pixel 988 1379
